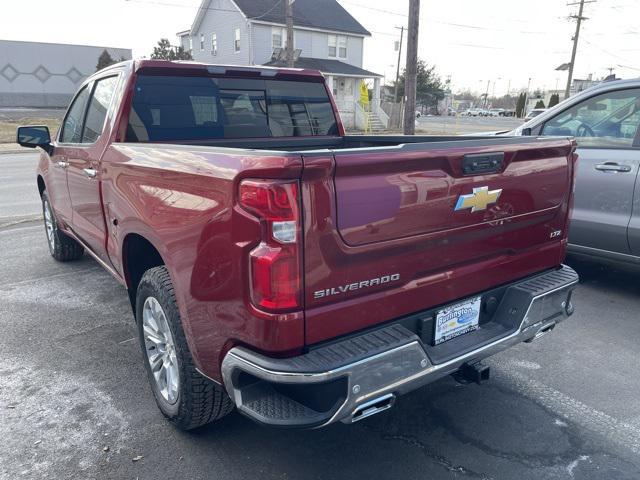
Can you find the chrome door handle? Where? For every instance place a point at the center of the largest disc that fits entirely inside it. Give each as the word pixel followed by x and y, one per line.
pixel 613 167
pixel 62 164
pixel 90 172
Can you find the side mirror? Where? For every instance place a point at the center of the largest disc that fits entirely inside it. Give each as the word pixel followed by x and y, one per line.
pixel 526 132
pixel 33 136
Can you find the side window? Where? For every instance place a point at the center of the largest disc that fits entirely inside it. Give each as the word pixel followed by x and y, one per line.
pixel 214 44
pixel 236 39
pixel 278 37
pixel 98 108
pixel 333 45
pixel 607 120
pixel 72 126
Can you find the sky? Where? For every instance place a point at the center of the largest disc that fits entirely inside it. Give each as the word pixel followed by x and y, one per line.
pixel 503 42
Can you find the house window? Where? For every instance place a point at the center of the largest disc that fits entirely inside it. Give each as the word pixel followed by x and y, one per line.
pixel 338 46
pixel 201 41
pixel 214 44
pixel 342 46
pixel 236 41
pixel 278 37
pixel 190 44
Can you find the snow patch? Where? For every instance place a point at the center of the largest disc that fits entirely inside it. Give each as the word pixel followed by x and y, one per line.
pixel 53 422
pixel 572 466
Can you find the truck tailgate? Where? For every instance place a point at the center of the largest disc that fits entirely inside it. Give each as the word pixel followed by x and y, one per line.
pixel 391 231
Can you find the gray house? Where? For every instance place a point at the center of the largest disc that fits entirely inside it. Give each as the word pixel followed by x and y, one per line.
pixel 326 38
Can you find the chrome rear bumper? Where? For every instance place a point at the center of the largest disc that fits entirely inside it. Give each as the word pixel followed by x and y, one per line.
pixel 359 376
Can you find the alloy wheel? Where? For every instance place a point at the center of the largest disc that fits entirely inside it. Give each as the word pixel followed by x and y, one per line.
pixel 49 225
pixel 160 349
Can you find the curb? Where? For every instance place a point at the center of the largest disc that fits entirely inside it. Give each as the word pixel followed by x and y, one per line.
pixel 12 148
pixel 7 152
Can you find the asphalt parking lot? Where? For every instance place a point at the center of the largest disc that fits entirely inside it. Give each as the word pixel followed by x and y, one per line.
pixel 463 125
pixel 74 400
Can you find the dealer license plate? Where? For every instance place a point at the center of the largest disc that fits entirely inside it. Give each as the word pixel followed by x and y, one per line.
pixel 458 319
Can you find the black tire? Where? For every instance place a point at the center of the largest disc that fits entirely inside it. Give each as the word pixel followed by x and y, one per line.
pixel 199 400
pixel 61 246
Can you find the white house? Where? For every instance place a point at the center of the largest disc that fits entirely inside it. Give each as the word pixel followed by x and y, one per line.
pixel 326 38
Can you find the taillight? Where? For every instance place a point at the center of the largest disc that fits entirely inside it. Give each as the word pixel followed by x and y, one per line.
pixel 275 262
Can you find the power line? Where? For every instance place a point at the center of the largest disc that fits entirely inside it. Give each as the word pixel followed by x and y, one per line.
pixel 169 4
pixel 606 52
pixel 381 10
pixel 395 35
pixel 630 68
pixel 476 46
pixel 268 11
pixel 443 22
pixel 179 5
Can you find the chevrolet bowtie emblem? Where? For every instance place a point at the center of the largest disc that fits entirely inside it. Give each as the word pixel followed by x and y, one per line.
pixel 479 199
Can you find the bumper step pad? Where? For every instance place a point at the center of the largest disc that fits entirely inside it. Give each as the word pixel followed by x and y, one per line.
pixel 270 406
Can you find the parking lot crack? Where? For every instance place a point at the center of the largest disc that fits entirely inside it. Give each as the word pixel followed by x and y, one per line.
pixel 623 434
pixel 439 459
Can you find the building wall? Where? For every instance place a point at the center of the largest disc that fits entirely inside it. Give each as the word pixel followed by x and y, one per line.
pixel 34 74
pixel 303 39
pixel 221 21
pixel 261 42
pixel 313 44
pixel 354 51
pixel 183 41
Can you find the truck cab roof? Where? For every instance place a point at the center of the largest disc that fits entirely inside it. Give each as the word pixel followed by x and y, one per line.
pixel 217 69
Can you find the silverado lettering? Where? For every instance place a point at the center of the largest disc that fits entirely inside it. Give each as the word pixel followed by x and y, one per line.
pixel 356 286
pixel 226 199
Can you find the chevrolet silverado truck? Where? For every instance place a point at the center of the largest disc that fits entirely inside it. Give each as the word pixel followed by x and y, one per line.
pixel 276 265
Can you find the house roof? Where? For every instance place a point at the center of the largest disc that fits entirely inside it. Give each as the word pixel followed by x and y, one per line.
pixel 329 66
pixel 320 14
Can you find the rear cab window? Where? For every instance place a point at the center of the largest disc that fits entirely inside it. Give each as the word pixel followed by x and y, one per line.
pixel 174 108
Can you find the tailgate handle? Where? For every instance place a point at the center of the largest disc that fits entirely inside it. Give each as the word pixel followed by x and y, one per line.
pixel 475 163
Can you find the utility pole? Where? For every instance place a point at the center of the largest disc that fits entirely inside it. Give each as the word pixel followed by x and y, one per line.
pixel 288 13
pixel 526 98
pixel 579 18
pixel 486 95
pixel 411 71
pixel 395 93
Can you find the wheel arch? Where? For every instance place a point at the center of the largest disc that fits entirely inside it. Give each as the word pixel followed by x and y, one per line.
pixel 139 254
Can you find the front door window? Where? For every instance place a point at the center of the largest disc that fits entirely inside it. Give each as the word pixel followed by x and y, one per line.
pixel 609 120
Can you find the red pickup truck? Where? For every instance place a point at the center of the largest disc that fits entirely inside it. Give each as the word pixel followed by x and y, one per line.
pixel 277 265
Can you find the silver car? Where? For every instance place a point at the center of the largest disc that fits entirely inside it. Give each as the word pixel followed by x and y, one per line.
pixel 604 119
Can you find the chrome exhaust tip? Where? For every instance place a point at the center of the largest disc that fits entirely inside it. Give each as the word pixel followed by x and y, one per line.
pixel 543 331
pixel 373 407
